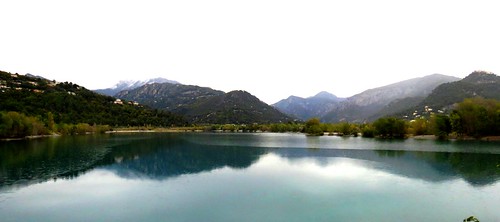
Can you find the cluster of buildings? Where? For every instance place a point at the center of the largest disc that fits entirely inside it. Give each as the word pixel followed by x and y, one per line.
pixel 18 84
pixel 427 111
pixel 120 102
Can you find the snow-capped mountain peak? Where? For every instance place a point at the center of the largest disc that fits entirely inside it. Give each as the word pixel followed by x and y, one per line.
pixel 132 84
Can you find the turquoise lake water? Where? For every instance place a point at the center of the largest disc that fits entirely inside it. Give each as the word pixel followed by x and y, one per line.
pixel 247 177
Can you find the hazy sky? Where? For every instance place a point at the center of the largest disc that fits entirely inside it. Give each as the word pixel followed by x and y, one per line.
pixel 271 48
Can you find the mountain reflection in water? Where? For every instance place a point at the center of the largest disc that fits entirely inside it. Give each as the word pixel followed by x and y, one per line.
pixel 162 156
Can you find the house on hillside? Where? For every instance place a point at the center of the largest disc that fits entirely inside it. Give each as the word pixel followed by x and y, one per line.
pixel 118 101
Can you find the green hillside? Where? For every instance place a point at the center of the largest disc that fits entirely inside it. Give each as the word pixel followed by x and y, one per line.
pixel 477 84
pixel 70 103
pixel 168 96
pixel 235 107
pixel 202 105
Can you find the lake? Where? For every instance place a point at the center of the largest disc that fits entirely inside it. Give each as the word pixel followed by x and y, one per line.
pixel 247 177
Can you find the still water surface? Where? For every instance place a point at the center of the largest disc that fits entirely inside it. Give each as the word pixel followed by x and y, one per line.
pixel 247 177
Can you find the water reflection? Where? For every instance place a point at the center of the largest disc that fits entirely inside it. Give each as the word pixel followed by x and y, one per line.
pixel 152 156
pixel 276 187
pixel 477 169
pixel 170 157
pixel 33 161
pixel 163 156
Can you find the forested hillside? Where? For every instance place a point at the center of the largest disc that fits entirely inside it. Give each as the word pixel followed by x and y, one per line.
pixel 477 84
pixel 70 103
pixel 168 96
pixel 235 107
pixel 203 105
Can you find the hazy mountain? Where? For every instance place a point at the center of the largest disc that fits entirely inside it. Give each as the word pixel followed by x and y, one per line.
pixel 366 105
pixel 168 96
pixel 131 84
pixel 305 108
pixel 238 107
pixel 479 83
pixel 398 105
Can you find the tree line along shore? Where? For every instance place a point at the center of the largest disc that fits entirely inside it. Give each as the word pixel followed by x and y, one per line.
pixel 473 118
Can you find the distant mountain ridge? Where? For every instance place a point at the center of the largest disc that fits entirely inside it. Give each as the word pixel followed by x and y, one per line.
pixel 366 105
pixel 305 108
pixel 202 105
pixel 131 84
pixel 205 105
pixel 477 84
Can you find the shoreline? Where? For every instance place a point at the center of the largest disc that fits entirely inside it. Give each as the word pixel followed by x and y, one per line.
pixel 194 130
pixel 30 137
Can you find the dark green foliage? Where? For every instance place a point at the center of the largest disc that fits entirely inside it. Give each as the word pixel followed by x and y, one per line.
pixel 236 107
pixel 168 96
pixel 72 104
pixel 285 127
pixel 471 219
pixel 441 126
pixel 368 131
pixel 476 117
pixel 313 127
pixel 202 105
pixel 345 128
pixel 390 127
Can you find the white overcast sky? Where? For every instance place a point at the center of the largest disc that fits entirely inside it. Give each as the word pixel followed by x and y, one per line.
pixel 271 48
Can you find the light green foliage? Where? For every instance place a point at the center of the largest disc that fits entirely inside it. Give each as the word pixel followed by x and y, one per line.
pixel 14 125
pixel 368 131
pixel 50 121
pixel 345 128
pixel 18 125
pixel 419 126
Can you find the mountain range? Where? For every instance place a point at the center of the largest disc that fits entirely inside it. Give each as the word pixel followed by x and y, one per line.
pixel 168 96
pixel 131 84
pixel 477 84
pixel 306 108
pixel 367 106
pixel 72 103
pixel 205 105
